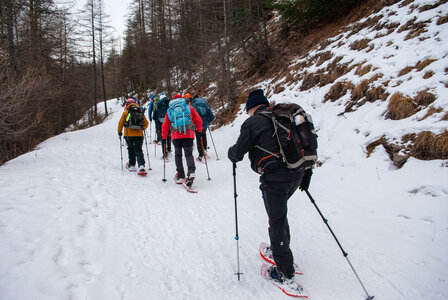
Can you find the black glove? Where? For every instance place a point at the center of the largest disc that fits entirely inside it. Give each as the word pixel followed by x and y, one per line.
pixel 120 134
pixel 305 184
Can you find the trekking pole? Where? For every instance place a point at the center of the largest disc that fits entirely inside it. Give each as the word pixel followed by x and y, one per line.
pixel 339 244
pixel 164 163
pixel 147 152
pixel 121 152
pixel 217 158
pixel 205 157
pixel 237 238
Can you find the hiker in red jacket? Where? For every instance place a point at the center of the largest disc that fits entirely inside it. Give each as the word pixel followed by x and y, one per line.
pixel 183 120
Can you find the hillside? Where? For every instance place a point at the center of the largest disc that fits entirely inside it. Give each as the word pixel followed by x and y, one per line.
pixel 75 226
pixel 395 58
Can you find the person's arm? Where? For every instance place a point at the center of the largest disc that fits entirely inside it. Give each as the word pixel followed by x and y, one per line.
pixel 243 144
pixel 166 127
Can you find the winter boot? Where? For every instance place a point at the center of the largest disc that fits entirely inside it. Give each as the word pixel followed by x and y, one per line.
pixel 142 171
pixel 130 168
pixel 177 179
pixel 189 180
pixel 276 275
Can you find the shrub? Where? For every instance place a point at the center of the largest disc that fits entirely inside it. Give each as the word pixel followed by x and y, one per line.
pixel 400 107
pixel 338 90
pixel 428 74
pixel 360 44
pixel 428 146
pixel 360 90
pixel 425 98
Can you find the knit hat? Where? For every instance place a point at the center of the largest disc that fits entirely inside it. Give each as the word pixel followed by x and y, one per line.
pixel 177 96
pixel 256 98
pixel 187 95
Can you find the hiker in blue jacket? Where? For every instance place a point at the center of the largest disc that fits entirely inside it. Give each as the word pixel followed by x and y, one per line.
pixel 207 116
pixel 160 109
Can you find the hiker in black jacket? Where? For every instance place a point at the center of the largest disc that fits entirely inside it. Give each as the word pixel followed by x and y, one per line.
pixel 278 183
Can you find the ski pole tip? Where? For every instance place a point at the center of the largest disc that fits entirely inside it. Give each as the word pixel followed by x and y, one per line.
pixel 370 297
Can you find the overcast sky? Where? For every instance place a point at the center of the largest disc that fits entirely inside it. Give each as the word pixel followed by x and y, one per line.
pixel 117 10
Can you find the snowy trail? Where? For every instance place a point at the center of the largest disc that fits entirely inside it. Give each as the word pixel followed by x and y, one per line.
pixel 77 227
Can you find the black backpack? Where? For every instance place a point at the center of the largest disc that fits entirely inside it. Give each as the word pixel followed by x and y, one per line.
pixel 162 107
pixel 134 120
pixel 295 134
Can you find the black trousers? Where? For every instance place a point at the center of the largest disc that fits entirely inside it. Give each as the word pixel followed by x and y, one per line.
pixel 135 151
pixel 275 196
pixel 201 141
pixel 187 146
pixel 158 130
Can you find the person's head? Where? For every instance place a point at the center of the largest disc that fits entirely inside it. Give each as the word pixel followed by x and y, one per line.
pixel 130 100
pixel 196 96
pixel 187 97
pixel 255 99
pixel 177 96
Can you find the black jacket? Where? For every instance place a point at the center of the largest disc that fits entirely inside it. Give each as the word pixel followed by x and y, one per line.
pixel 258 130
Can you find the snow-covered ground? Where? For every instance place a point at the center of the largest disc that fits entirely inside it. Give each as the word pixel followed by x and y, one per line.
pixel 73 225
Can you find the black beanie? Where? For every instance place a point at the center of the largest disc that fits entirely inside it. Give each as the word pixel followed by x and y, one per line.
pixel 256 98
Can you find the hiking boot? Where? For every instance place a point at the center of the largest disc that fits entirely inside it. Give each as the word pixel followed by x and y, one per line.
pixel 141 170
pixel 130 168
pixel 200 158
pixel 189 180
pixel 276 275
pixel 178 179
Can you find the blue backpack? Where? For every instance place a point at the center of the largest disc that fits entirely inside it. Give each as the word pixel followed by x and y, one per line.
pixel 201 106
pixel 179 115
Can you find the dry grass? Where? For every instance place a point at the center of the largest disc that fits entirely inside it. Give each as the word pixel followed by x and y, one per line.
pixel 405 3
pixel 428 74
pixel 419 66
pixel 375 77
pixel 405 71
pixel 360 90
pixel 432 110
pixel 445 117
pixel 279 88
pixel 400 107
pixel 323 57
pixel 376 93
pixel 338 90
pixel 442 20
pixel 360 44
pixel 432 6
pixel 425 98
pixel 423 64
pixel 361 71
pixel 428 146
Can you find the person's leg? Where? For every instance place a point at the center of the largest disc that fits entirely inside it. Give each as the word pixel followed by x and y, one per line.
pixel 178 158
pixel 138 149
pixel 275 196
pixel 204 140
pixel 131 152
pixel 199 143
pixel 188 149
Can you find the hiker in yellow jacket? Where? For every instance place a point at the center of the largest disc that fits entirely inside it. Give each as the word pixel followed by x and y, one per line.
pixel 134 122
